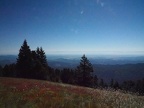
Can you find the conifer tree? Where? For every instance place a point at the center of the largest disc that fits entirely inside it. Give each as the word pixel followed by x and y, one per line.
pixel 40 64
pixel 41 56
pixel 84 72
pixel 24 61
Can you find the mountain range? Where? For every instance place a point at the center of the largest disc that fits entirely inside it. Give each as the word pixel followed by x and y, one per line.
pixel 119 68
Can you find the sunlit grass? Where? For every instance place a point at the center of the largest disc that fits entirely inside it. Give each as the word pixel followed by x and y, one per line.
pixel 22 93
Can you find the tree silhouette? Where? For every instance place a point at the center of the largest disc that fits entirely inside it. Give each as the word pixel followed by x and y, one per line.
pixel 40 66
pixel 41 56
pixel 67 76
pixel 84 72
pixel 24 61
pixel 9 70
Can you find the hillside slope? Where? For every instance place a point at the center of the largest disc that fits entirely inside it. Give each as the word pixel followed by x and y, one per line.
pixel 23 93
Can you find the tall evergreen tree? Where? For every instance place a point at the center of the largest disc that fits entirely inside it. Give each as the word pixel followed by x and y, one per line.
pixel 40 66
pixel 41 56
pixel 24 61
pixel 84 71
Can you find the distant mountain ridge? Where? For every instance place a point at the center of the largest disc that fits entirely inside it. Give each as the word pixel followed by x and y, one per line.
pixel 106 67
pixel 70 61
pixel 7 59
pixel 120 72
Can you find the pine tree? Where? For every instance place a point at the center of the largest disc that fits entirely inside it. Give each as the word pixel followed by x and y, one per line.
pixel 40 66
pixel 24 61
pixel 84 72
pixel 41 56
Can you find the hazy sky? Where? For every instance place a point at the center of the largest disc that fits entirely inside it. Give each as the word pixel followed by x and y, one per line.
pixel 73 26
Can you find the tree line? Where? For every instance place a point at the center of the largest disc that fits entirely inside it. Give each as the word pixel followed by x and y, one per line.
pixel 32 64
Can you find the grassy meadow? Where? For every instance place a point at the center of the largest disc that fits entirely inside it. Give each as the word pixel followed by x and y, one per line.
pixel 23 93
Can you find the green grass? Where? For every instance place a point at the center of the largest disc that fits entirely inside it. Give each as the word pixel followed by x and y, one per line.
pixel 23 93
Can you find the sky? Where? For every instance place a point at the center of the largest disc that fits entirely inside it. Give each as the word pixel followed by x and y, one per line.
pixel 73 26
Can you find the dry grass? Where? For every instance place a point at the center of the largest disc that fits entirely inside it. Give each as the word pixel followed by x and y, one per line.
pixel 22 93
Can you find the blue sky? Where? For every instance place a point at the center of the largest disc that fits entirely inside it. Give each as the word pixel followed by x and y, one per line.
pixel 73 26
